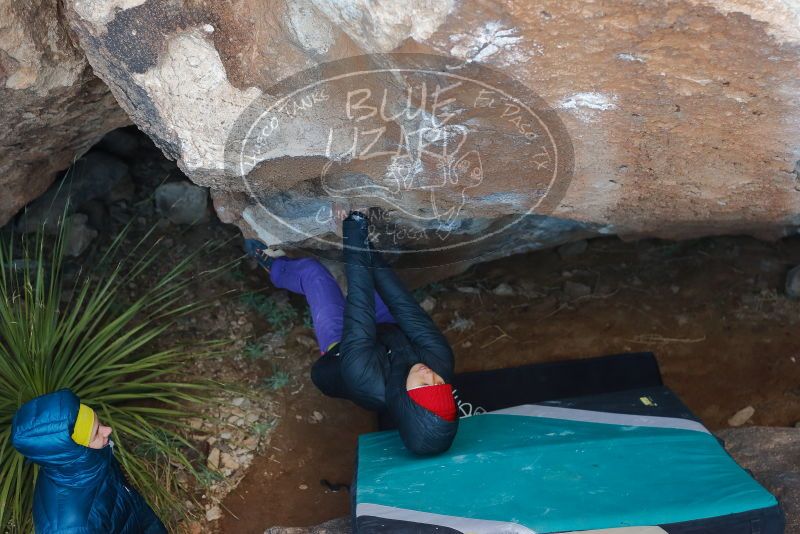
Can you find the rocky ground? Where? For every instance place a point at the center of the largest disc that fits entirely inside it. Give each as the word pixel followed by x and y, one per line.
pixel 274 451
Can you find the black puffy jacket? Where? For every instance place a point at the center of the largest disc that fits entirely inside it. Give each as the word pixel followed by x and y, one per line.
pixel 371 364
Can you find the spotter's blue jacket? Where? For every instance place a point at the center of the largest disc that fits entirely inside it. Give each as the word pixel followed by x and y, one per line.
pixel 79 490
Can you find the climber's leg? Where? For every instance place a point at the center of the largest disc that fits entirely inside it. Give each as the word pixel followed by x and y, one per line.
pixel 308 277
pixel 382 313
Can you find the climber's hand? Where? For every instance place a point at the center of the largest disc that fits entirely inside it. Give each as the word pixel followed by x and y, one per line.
pixel 355 232
pixel 340 213
pixel 356 216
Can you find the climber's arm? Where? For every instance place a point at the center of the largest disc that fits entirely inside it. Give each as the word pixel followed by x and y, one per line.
pixel 415 323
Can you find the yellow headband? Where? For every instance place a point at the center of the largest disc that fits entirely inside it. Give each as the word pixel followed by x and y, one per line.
pixel 84 426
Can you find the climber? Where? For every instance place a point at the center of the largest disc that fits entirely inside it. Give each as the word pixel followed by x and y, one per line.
pixel 80 488
pixel 379 348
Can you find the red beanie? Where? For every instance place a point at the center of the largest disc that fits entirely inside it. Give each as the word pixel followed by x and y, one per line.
pixel 437 399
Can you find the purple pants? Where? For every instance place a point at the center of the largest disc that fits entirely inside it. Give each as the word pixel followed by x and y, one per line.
pixel 309 277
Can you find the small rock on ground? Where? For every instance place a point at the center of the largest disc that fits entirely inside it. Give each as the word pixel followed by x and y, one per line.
pixel 182 202
pixel 79 235
pixel 213 513
pixel 742 416
pixel 468 290
pixel 228 461
pixel 213 458
pixel 428 304
pixel 503 290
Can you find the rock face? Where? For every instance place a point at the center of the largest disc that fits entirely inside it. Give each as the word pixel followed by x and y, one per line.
pixel 94 175
pixel 770 454
pixel 52 107
pixel 674 119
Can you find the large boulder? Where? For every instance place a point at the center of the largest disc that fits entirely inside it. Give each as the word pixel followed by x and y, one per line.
pixel 52 108
pixel 672 119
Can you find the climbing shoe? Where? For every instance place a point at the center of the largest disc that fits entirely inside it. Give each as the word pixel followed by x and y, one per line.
pixel 262 253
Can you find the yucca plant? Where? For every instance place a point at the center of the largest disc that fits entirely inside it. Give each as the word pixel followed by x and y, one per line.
pixel 89 335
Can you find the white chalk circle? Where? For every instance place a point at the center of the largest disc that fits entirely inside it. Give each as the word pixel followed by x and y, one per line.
pixel 458 152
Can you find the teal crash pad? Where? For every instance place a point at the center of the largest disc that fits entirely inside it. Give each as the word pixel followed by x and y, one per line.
pixel 553 474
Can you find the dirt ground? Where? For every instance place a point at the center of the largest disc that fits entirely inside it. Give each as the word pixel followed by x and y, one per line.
pixel 712 310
